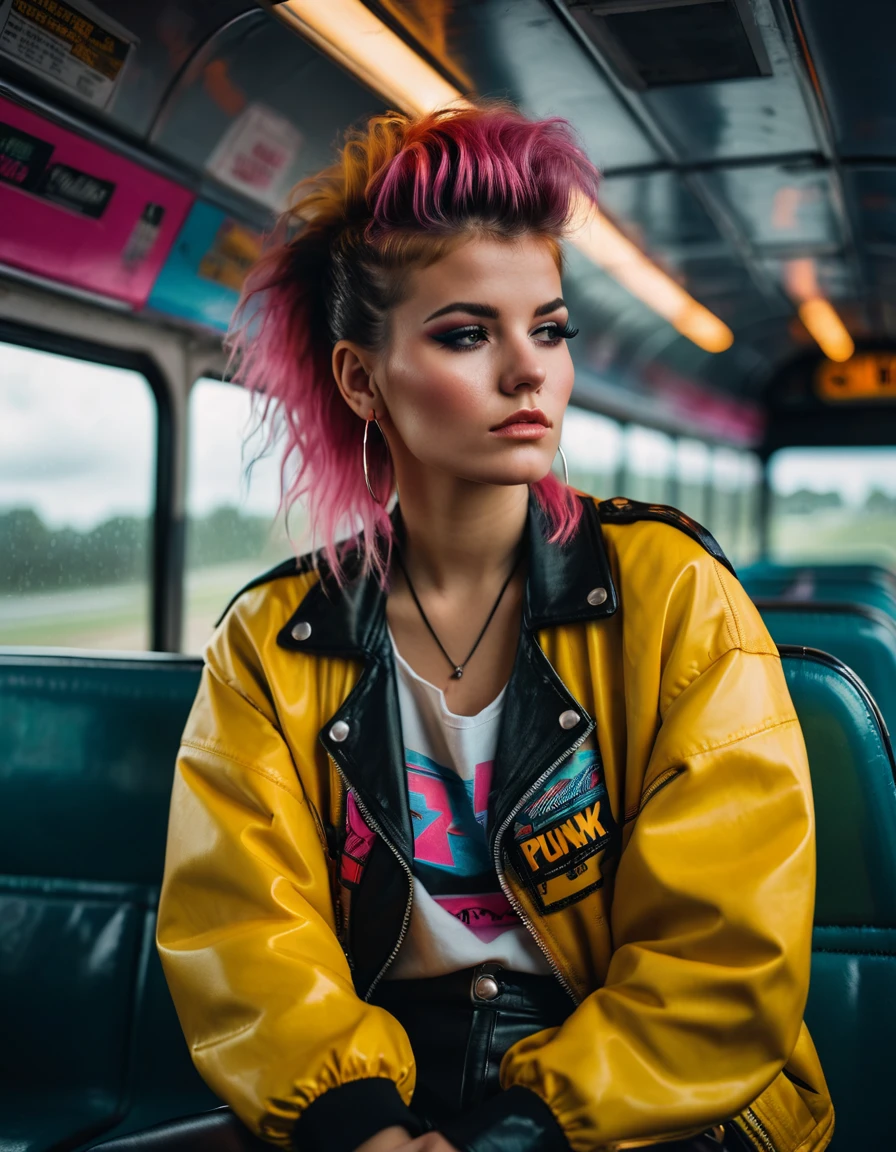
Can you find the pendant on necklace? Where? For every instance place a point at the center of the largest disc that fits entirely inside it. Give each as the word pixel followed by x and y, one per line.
pixel 457 673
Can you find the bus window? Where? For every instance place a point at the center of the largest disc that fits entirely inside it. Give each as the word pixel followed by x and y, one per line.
pixel 727 484
pixel 593 447
pixel 692 473
pixel 833 504
pixel 748 536
pixel 234 531
pixel 648 462
pixel 77 490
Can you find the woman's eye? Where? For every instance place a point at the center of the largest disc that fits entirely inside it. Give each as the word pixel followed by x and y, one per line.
pixel 460 338
pixel 554 333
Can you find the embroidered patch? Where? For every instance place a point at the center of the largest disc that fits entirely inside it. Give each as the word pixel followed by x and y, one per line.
pixel 561 834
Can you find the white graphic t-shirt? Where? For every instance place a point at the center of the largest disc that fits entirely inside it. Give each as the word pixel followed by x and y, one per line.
pixel 460 916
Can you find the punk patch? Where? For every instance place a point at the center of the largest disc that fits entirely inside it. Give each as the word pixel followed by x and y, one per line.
pixel 561 834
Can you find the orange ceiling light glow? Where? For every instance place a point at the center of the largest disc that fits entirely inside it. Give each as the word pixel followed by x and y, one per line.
pixel 817 314
pixel 603 243
pixel 349 33
pixel 827 329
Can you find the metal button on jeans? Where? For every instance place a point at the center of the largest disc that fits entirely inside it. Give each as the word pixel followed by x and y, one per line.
pixel 486 988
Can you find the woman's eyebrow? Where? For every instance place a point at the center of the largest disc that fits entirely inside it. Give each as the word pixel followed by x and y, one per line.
pixel 486 311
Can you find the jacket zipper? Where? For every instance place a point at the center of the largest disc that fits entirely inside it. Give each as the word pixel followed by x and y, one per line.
pixel 661 781
pixel 499 869
pixel 756 1131
pixel 372 824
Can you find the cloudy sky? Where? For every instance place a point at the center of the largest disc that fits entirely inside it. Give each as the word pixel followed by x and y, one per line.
pixel 77 442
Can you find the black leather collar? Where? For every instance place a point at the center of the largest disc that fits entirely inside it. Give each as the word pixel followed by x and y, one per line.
pixel 566 584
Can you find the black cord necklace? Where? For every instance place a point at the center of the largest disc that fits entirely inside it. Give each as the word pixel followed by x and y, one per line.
pixel 458 668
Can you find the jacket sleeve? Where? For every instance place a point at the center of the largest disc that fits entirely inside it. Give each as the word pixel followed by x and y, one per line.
pixel 711 919
pixel 246 934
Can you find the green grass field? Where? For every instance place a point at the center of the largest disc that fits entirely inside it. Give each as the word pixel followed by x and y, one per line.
pixel 116 617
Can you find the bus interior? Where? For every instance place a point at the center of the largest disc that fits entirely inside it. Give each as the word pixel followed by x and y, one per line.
pixel 736 297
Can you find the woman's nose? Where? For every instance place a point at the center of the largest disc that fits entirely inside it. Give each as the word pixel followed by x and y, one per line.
pixel 523 369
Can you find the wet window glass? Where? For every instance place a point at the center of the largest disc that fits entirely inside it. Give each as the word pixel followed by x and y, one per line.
pixel 833 504
pixel 649 459
pixel 593 447
pixel 693 464
pixel 77 492
pixel 234 529
pixel 734 503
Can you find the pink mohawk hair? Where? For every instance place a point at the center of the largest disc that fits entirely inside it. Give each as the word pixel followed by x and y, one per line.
pixel 402 193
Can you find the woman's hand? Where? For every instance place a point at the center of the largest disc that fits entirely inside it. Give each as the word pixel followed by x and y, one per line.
pixel 388 1140
pixel 430 1142
pixel 397 1140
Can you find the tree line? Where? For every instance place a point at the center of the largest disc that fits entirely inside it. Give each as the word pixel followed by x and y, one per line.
pixel 38 558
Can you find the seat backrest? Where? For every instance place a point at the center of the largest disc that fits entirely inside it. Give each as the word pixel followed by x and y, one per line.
pixel 87 750
pixel 820 574
pixel 871 585
pixel 862 638
pixel 852 999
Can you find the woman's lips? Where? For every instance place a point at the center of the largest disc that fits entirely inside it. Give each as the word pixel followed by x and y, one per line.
pixel 521 431
pixel 524 424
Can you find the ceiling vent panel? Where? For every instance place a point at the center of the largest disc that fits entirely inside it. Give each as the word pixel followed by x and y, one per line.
pixel 655 43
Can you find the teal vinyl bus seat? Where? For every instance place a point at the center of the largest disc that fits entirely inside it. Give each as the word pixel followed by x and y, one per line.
pixel 91 1045
pixel 869 584
pixel 863 638
pixel 852 999
pixel 90 1040
pixel 878 574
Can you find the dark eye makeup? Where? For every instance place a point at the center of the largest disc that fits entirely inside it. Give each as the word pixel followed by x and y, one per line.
pixel 472 335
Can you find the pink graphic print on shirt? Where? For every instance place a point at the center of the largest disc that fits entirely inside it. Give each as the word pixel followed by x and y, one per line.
pixel 358 842
pixel 451 855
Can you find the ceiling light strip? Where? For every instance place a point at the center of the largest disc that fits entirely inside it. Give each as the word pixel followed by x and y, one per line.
pixel 349 33
pixel 827 329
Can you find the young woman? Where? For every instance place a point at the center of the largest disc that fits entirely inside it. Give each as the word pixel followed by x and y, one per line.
pixel 491 830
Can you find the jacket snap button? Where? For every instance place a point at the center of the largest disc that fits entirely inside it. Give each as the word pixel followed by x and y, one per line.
pixel 569 719
pixel 339 731
pixel 597 596
pixel 486 988
pixel 301 631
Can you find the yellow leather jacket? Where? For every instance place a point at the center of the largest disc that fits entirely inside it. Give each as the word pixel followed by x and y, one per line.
pixel 676 907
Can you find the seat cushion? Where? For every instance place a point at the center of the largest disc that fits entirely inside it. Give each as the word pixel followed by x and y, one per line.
pixel 852 1017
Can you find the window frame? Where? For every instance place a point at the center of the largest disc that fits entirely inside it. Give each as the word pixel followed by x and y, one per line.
pixel 167 533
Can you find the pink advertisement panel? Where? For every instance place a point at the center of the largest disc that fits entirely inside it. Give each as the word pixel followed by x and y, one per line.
pixel 74 212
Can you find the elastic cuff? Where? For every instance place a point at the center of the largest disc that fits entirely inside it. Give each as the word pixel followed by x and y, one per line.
pixel 516 1118
pixel 341 1119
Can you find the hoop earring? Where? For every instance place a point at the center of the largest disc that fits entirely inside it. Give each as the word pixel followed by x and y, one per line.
pixel 367 423
pixel 565 467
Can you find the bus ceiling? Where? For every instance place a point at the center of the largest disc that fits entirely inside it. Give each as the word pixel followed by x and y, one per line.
pixel 745 241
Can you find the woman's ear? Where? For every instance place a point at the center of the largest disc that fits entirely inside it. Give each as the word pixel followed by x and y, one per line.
pixel 352 368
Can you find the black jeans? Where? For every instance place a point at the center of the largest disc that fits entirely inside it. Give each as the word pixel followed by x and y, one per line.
pixel 461 1025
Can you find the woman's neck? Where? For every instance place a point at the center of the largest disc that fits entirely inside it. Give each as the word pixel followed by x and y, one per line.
pixel 464 535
